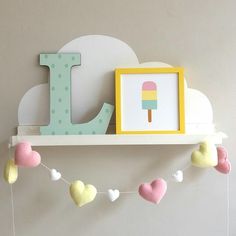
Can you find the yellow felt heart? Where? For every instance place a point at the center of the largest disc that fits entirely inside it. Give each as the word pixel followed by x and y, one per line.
pixel 82 194
pixel 206 156
pixel 10 172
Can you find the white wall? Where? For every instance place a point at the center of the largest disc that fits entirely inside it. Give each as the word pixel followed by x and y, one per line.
pixel 198 35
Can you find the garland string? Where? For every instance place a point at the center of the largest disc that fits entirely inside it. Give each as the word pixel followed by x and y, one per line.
pixel 228 206
pixel 63 179
pixel 13 212
pixel 12 200
pixel 67 182
pixel 103 192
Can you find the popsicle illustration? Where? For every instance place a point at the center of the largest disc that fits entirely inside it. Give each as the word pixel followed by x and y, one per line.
pixel 149 98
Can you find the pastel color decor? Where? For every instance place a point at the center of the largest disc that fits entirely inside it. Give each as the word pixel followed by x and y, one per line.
pixel 224 165
pixel 113 195
pixel 82 194
pixel 149 98
pixel 60 65
pixel 55 175
pixel 206 156
pixel 34 106
pixel 10 172
pixel 178 176
pixel 153 191
pixel 25 157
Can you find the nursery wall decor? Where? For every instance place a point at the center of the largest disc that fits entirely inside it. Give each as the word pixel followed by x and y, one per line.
pixel 60 99
pixel 150 100
pixel 140 86
pixel 10 171
pixel 206 156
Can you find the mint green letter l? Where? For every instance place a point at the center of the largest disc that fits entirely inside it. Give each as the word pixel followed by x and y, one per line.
pixel 60 99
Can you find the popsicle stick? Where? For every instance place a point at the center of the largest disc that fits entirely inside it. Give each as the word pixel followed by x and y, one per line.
pixel 149 116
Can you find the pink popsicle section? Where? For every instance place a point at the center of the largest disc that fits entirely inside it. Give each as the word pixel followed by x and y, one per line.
pixel 149 85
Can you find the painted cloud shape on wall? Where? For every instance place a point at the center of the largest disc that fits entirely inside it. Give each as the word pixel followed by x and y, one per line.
pixel 93 84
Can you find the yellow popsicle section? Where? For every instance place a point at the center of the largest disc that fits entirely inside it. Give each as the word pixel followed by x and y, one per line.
pixel 149 95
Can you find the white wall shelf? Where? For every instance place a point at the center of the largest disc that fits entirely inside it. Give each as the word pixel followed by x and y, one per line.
pixel 113 139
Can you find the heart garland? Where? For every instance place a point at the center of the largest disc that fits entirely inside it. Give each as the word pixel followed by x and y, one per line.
pixel 113 195
pixel 178 176
pixel 82 194
pixel 154 191
pixel 55 175
pixel 25 157
pixel 224 165
pixel 10 172
pixel 207 156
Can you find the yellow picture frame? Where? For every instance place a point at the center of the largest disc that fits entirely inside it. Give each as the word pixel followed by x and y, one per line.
pixel 119 72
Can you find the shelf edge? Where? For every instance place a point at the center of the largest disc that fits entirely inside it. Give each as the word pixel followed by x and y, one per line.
pixel 113 139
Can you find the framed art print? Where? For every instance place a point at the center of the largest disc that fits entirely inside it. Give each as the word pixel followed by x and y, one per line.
pixel 149 101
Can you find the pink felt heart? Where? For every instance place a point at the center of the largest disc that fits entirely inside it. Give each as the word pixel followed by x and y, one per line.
pixel 224 165
pixel 25 157
pixel 153 192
